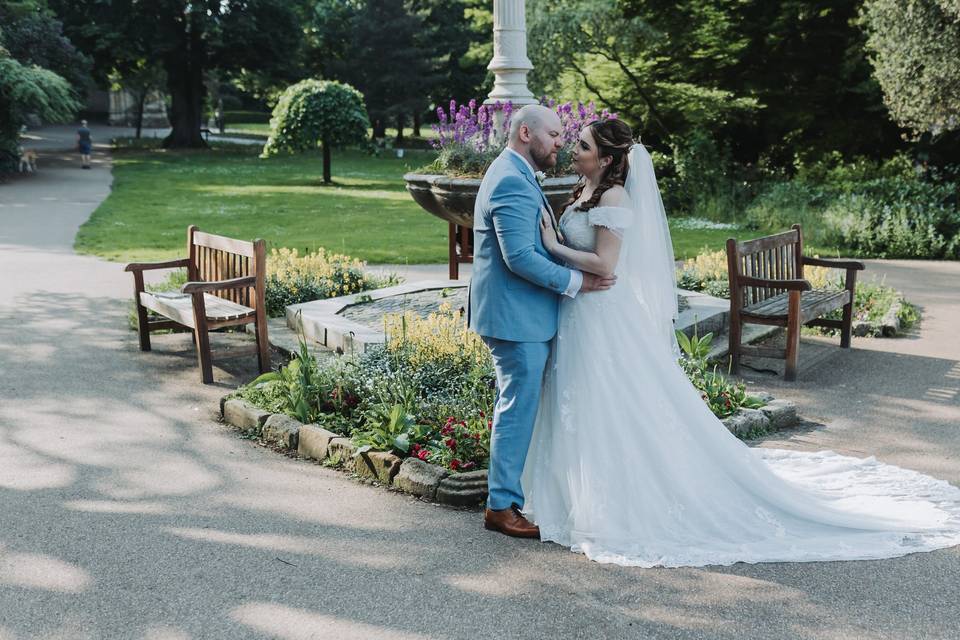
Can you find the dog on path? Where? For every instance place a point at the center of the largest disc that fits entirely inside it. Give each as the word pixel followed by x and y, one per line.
pixel 28 160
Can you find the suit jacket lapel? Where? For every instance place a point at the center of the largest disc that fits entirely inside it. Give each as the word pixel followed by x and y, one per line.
pixel 524 168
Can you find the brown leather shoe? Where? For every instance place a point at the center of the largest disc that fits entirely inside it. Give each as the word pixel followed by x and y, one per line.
pixel 510 522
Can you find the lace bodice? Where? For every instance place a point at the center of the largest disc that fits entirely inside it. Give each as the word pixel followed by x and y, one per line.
pixel 579 228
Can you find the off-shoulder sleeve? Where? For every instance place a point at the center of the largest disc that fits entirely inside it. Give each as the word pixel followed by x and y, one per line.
pixel 611 217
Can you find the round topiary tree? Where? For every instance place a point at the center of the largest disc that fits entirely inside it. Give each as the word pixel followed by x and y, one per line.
pixel 317 112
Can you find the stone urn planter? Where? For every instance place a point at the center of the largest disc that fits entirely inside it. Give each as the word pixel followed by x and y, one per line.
pixel 452 199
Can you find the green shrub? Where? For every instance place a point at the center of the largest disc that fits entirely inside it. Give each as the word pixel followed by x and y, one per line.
pixel 703 180
pixel 866 208
pixel 723 397
pixel 909 220
pixel 871 305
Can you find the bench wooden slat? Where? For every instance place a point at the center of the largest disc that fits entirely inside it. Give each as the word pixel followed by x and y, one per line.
pixel 221 243
pixel 812 303
pixel 767 242
pixel 180 308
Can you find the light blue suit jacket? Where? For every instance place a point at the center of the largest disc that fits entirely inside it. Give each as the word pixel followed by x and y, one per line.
pixel 516 284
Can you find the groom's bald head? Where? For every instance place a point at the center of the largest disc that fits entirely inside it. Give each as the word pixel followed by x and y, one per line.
pixel 536 133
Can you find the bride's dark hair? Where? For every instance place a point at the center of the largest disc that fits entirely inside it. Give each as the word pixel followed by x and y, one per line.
pixel 613 139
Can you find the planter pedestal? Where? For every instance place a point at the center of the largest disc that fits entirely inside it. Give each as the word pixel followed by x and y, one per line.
pixel 460 248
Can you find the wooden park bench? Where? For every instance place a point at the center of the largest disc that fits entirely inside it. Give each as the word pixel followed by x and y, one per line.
pixel 226 288
pixel 767 287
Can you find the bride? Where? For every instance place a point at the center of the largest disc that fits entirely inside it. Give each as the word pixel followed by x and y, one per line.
pixel 629 466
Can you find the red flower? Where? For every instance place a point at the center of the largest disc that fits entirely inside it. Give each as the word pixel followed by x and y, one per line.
pixel 454 464
pixel 483 415
pixel 447 430
pixel 468 465
pixel 416 448
pixel 452 443
pixel 422 454
pixel 489 424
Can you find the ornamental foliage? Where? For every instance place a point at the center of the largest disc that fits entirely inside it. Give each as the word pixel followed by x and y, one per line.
pixel 315 113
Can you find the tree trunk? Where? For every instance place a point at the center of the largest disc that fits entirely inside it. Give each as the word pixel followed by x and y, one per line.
pixel 185 82
pixel 326 162
pixel 379 129
pixel 400 122
pixel 141 100
pixel 416 124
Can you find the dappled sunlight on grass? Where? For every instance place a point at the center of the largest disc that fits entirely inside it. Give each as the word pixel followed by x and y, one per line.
pixel 366 213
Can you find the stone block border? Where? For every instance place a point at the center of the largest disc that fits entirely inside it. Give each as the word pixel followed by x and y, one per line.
pixel 429 481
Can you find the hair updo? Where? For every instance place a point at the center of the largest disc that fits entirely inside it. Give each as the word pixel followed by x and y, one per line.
pixel 613 140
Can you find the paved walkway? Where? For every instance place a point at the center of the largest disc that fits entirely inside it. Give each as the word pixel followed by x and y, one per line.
pixel 126 511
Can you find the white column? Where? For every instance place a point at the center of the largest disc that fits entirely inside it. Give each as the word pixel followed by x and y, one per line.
pixel 510 63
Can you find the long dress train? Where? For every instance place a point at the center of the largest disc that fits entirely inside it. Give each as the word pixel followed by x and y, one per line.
pixel 628 465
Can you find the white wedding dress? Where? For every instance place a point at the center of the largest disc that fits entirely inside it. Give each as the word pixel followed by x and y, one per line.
pixel 628 465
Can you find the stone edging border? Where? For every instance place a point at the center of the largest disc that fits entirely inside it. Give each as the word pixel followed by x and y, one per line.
pixel 888 327
pixel 429 481
pixel 411 475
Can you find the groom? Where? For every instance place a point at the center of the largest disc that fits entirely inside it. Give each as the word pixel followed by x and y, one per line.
pixel 514 295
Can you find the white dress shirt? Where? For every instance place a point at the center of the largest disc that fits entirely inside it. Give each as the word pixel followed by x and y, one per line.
pixel 576 276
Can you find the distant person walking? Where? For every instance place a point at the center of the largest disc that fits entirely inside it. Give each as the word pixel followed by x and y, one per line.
pixel 84 144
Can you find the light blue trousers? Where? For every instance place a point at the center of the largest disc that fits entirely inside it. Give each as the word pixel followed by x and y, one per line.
pixel 519 367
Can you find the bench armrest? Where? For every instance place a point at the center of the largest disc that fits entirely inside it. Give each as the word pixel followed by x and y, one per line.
pixel 798 285
pixel 217 285
pixel 149 266
pixel 836 264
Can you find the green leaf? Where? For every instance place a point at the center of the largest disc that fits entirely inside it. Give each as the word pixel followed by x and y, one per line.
pixel 683 341
pixel 270 376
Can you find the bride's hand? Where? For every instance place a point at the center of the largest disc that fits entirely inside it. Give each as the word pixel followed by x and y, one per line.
pixel 549 234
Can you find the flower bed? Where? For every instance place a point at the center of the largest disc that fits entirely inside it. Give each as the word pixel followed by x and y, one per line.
pixel 878 310
pixel 414 413
pixel 427 394
pixel 293 278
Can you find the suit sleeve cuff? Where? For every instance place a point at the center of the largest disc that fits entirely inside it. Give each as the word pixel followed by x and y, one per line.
pixel 573 287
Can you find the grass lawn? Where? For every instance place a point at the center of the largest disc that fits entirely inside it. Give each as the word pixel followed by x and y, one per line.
pixel 228 190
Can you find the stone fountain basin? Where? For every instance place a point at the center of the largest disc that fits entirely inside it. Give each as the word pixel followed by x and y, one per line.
pixel 453 199
pixel 355 322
